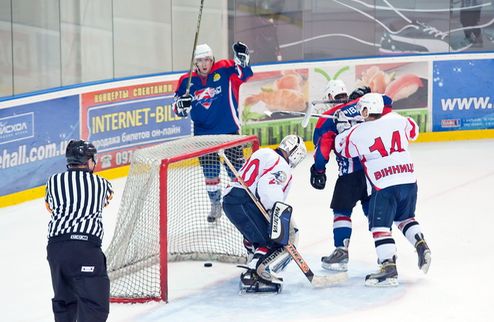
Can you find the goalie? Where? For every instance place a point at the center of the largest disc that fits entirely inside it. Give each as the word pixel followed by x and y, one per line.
pixel 267 174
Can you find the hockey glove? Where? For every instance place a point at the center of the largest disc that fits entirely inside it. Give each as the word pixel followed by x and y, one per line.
pixel 183 104
pixel 317 178
pixel 342 122
pixel 241 54
pixel 359 92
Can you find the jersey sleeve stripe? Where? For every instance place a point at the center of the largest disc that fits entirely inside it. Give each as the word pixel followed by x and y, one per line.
pixel 287 184
pixel 347 144
pixel 271 168
pixel 232 104
pixel 413 132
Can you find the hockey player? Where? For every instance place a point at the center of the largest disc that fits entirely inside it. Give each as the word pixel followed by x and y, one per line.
pixel 213 107
pixel 336 90
pixel 381 143
pixel 351 185
pixel 267 174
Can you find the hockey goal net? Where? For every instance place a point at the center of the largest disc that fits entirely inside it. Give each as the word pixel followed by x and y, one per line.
pixel 163 214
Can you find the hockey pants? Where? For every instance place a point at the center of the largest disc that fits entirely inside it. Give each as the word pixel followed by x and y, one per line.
pixel 80 281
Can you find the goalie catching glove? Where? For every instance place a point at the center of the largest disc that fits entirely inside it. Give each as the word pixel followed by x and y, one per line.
pixel 241 54
pixel 183 105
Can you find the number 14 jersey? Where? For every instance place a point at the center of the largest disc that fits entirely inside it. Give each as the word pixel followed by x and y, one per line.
pixel 382 146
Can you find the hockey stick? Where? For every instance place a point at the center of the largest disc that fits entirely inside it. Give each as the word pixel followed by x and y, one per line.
pixel 307 115
pixel 330 102
pixel 308 112
pixel 315 280
pixel 310 108
pixel 187 90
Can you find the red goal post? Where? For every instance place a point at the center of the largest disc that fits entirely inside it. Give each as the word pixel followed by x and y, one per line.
pixel 163 215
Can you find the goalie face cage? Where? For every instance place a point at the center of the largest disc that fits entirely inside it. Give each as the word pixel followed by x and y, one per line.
pixel 163 214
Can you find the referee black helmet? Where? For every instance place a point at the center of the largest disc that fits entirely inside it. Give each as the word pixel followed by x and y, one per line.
pixel 79 152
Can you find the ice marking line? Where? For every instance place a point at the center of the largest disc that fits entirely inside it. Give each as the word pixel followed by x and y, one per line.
pixel 462 185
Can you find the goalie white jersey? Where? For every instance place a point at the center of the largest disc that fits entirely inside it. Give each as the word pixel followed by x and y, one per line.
pixel 268 176
pixel 382 146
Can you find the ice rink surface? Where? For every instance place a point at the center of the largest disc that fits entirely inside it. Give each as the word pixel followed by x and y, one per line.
pixel 455 209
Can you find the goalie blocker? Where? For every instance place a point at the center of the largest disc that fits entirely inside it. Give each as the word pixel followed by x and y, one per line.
pixel 280 223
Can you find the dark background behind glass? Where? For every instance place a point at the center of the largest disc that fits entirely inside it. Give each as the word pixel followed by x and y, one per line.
pixel 284 30
pixel 51 43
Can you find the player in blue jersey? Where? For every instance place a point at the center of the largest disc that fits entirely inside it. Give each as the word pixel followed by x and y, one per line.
pixel 351 185
pixel 212 103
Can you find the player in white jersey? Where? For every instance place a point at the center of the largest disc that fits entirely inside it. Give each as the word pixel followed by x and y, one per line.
pixel 267 174
pixel 381 143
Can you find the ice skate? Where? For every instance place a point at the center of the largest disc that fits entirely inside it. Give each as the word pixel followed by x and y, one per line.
pixel 423 253
pixel 387 276
pixel 251 282
pixel 215 213
pixel 337 261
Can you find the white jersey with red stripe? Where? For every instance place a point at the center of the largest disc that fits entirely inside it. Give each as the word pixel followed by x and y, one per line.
pixel 268 176
pixel 382 146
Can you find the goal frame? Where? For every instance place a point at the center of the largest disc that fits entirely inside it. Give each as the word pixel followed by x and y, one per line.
pixel 163 221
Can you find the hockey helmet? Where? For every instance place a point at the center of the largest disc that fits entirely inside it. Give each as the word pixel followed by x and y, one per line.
pixel 79 152
pixel 335 87
pixel 294 146
pixel 372 102
pixel 203 51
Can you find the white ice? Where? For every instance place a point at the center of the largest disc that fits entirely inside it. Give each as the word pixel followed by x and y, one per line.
pixel 456 184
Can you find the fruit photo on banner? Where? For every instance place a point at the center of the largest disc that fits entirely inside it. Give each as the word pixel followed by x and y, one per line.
pixel 274 91
pixel 406 83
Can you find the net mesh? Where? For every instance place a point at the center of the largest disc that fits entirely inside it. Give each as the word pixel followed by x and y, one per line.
pixel 192 193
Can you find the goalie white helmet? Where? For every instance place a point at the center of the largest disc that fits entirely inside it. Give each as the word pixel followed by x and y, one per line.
pixel 371 103
pixel 203 51
pixel 294 146
pixel 334 88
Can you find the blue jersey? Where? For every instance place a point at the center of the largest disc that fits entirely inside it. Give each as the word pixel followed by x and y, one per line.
pixel 215 98
pixel 326 131
pixel 323 139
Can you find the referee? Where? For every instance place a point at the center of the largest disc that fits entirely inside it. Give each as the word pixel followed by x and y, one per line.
pixel 75 198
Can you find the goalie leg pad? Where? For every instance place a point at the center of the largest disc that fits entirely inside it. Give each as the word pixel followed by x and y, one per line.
pixel 280 223
pixel 270 264
pixel 276 261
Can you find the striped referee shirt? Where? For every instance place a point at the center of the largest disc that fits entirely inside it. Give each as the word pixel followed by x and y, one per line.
pixel 76 199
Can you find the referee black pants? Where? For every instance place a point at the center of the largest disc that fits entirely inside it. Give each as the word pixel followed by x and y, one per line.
pixel 80 281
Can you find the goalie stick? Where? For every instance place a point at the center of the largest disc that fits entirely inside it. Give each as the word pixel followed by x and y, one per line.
pixel 187 89
pixel 315 280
